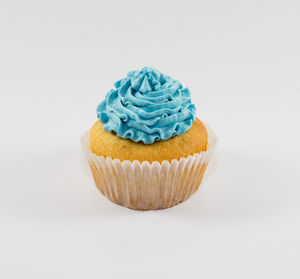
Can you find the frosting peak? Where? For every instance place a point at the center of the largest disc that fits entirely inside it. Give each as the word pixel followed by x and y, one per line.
pixel 147 106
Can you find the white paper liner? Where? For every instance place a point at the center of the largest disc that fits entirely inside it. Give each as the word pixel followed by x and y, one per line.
pixel 145 186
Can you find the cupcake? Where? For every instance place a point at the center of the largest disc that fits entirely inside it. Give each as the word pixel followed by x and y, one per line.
pixel 147 149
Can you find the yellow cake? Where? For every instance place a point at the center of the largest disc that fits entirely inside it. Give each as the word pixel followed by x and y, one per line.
pixel 107 144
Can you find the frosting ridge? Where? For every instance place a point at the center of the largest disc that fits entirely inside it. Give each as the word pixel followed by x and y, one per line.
pixel 147 106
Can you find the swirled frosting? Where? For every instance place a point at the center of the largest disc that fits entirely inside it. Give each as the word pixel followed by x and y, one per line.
pixel 147 106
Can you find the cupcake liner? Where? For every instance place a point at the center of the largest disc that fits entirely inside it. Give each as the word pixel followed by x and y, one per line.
pixel 145 186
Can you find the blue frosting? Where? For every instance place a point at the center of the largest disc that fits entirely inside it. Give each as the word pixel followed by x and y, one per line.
pixel 147 106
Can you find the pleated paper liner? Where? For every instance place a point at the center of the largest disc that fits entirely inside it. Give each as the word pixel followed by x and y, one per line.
pixel 145 186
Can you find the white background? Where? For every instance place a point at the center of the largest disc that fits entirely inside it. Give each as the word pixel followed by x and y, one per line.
pixel 241 61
